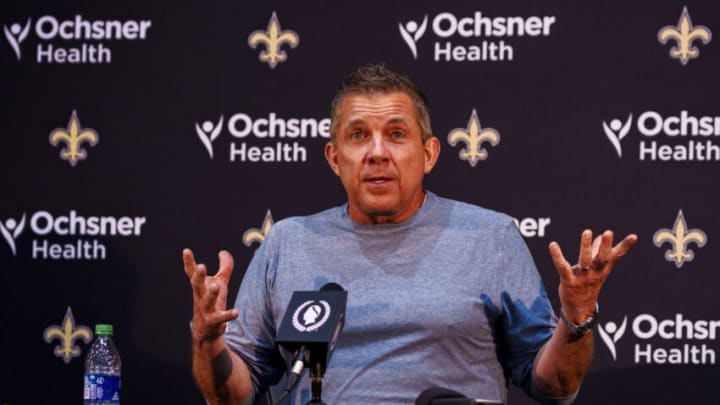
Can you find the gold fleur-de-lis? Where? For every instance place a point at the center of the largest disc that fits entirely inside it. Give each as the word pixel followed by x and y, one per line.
pixel 73 136
pixel 473 137
pixel 273 38
pixel 684 34
pixel 68 334
pixel 258 235
pixel 679 238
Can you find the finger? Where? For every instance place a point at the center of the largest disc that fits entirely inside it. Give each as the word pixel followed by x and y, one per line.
pixel 226 266
pixel 218 319
pixel 198 280
pixel 596 245
pixel 603 253
pixel 562 265
pixel 210 298
pixel 585 257
pixel 229 315
pixel 622 248
pixel 189 262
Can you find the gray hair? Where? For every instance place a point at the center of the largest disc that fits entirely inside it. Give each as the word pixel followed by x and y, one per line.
pixel 374 79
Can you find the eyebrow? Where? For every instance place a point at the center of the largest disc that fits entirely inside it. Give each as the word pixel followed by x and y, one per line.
pixel 392 120
pixel 354 122
pixel 397 120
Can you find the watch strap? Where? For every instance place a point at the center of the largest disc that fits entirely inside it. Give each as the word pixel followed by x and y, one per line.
pixel 585 326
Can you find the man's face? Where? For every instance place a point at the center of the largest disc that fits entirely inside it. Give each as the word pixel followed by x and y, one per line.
pixel 380 157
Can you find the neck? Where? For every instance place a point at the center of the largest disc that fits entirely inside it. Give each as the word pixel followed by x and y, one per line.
pixel 382 218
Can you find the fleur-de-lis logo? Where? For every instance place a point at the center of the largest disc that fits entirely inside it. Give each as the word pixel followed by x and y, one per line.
pixel 273 38
pixel 611 333
pixel 680 237
pixel 474 136
pixel 684 34
pixel 67 334
pixel 73 137
pixel 258 235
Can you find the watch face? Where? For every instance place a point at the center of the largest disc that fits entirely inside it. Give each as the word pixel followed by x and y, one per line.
pixel 586 326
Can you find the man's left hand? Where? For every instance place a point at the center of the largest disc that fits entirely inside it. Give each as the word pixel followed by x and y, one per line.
pixel 580 284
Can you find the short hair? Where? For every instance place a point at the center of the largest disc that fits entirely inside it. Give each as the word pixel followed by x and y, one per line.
pixel 374 79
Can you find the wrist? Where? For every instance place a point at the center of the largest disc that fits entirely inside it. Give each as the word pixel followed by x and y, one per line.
pixel 200 338
pixel 582 328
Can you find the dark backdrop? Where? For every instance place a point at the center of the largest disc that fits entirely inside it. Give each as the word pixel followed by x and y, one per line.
pixel 150 101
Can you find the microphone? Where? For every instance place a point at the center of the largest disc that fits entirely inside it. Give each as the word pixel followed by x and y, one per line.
pixel 310 329
pixel 429 396
pixel 444 396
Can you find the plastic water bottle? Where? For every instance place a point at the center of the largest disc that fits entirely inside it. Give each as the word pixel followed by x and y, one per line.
pixel 102 369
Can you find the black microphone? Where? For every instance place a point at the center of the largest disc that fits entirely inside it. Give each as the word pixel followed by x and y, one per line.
pixel 444 396
pixel 428 396
pixel 310 329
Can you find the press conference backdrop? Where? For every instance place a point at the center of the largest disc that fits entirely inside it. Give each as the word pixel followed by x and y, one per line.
pixel 133 129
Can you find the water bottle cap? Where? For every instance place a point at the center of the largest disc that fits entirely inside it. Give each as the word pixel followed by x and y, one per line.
pixel 104 329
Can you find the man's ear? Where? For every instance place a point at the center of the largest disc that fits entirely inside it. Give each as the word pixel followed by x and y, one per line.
pixel 432 153
pixel 331 157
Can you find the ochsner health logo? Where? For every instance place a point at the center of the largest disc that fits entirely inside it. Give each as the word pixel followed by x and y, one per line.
pixel 70 236
pixel 473 37
pixel 611 333
pixel 412 32
pixel 675 340
pixel 616 132
pixel 208 133
pixel 76 40
pixel 15 36
pixel 676 137
pixel 10 231
pixel 270 139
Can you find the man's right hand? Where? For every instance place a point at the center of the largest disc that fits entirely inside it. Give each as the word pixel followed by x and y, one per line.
pixel 210 313
pixel 220 374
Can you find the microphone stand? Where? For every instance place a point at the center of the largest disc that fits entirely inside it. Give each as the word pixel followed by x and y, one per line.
pixel 316 386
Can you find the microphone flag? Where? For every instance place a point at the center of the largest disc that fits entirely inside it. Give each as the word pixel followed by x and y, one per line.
pixel 313 319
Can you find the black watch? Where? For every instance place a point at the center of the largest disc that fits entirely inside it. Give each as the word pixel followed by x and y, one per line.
pixel 584 327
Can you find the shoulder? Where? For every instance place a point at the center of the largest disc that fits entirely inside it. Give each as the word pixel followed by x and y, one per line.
pixel 465 214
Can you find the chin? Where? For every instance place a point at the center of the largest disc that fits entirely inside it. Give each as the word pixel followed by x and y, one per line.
pixel 379 206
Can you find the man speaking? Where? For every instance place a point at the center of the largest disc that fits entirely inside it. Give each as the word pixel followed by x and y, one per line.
pixel 440 293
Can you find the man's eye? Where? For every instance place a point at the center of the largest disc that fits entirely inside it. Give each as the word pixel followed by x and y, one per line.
pixel 397 135
pixel 356 135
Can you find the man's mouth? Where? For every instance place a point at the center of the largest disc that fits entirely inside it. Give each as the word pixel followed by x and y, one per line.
pixel 378 180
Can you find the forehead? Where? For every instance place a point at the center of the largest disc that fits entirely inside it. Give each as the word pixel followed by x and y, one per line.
pixel 383 107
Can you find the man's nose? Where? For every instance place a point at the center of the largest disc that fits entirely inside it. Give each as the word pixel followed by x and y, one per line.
pixel 378 151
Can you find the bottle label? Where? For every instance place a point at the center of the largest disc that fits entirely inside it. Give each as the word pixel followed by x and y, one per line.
pixel 102 387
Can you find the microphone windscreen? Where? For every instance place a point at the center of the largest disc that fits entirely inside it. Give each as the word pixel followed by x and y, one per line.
pixel 332 287
pixel 430 394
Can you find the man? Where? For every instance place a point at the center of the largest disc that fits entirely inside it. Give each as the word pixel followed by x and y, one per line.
pixel 440 293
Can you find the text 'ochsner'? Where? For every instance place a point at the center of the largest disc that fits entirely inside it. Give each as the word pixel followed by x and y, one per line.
pixel 87 39
pixel 676 137
pixel 477 38
pixel 269 139
pixel 675 340
pixel 85 231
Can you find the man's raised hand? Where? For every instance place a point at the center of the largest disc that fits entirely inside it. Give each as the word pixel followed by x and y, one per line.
pixel 210 313
pixel 580 284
